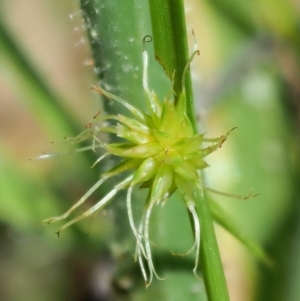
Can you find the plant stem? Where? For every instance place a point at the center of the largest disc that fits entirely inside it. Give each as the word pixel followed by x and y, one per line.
pixel 213 272
pixel 170 43
pixel 169 35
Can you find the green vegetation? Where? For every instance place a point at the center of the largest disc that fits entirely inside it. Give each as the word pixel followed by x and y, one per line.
pixel 247 75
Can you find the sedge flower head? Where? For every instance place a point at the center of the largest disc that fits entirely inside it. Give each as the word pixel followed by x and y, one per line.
pixel 160 151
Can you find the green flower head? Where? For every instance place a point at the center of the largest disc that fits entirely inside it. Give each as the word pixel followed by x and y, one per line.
pixel 160 152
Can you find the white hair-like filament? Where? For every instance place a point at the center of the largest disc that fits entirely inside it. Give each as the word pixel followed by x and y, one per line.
pixel 97 206
pixel 140 246
pixel 192 209
pixel 147 245
pixel 138 253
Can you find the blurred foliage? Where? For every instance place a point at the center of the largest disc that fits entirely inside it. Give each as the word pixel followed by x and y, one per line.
pixel 247 76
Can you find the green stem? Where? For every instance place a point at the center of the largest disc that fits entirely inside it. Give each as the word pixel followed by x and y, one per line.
pixel 213 272
pixel 169 35
pixel 116 30
pixel 170 44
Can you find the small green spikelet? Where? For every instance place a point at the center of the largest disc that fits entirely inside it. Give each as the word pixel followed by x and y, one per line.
pixel 160 152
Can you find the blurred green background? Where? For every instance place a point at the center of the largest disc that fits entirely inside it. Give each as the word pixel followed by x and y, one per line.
pixel 247 75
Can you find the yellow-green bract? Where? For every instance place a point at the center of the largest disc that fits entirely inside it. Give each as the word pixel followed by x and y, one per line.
pixel 160 152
